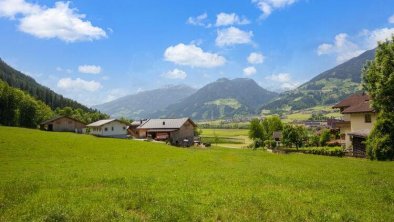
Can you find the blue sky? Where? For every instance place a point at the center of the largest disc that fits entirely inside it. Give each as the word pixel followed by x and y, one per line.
pixel 95 51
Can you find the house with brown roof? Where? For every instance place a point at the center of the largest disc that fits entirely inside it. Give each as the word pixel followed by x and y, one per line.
pixel 63 124
pixel 358 120
pixel 179 132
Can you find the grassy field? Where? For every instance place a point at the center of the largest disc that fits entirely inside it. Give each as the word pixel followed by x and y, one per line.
pixel 241 134
pixel 68 177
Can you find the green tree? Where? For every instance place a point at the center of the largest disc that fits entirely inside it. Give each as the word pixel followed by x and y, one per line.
pixel 324 137
pixel 294 135
pixel 378 80
pixel 270 125
pixel 256 130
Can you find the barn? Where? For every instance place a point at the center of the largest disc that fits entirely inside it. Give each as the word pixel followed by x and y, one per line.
pixel 63 124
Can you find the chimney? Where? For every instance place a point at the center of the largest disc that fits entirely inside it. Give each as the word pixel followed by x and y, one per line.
pixel 140 121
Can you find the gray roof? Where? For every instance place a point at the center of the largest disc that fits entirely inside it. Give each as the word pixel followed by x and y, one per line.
pixel 102 122
pixel 164 123
pixel 59 117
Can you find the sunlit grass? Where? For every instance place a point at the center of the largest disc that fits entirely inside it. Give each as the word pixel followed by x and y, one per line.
pixel 65 176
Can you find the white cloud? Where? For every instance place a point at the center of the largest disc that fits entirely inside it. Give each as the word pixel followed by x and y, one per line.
pixel 60 22
pixel 267 6
pixel 377 35
pixel 224 19
pixel 200 20
pixel 284 80
pixel 78 84
pixel 249 71
pixel 193 56
pixel 391 19
pixel 175 74
pixel 11 8
pixel 255 58
pixel 343 48
pixel 89 69
pixel 232 35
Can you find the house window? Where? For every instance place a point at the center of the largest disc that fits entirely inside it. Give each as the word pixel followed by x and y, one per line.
pixel 105 129
pixel 367 118
pixel 112 128
pixel 124 128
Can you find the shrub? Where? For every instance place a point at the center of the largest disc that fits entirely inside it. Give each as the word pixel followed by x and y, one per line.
pixel 326 151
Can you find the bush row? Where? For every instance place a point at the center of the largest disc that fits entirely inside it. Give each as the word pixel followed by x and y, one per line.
pixel 326 151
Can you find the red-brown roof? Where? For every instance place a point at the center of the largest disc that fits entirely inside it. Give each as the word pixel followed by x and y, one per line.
pixel 363 107
pixel 352 100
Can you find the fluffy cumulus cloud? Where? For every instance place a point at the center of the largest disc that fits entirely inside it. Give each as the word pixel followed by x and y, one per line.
pixel 78 84
pixel 255 58
pixel 268 6
pixel 249 71
pixel 175 74
pixel 342 47
pixel 11 8
pixel 60 21
pixel 378 35
pixel 232 36
pixel 192 55
pixel 391 19
pixel 224 19
pixel 284 80
pixel 89 69
pixel 200 20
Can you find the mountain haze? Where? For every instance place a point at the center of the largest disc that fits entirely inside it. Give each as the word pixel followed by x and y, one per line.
pixel 144 104
pixel 326 88
pixel 222 98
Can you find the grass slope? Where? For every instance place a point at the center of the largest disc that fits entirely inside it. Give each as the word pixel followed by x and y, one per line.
pixel 64 176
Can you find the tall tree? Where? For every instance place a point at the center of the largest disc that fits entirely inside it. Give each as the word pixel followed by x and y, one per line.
pixel 378 80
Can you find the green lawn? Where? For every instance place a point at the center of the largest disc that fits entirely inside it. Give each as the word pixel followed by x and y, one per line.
pixel 68 177
pixel 241 134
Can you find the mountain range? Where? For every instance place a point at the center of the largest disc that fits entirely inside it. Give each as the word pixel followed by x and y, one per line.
pixel 326 88
pixel 223 98
pixel 147 103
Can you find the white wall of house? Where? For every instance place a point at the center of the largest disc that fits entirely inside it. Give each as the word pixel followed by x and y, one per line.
pixel 112 129
pixel 357 122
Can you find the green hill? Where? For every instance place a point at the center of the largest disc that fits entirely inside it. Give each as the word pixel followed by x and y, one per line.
pixel 49 176
pixel 16 79
pixel 326 88
pixel 222 98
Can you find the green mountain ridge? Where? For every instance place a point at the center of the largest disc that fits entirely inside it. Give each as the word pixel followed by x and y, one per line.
pixel 220 99
pixel 326 88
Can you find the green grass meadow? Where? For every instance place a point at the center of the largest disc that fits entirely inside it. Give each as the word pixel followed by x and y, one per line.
pixel 46 176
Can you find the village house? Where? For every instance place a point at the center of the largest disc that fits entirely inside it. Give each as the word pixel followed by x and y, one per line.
pixel 63 124
pixel 358 120
pixel 108 128
pixel 179 132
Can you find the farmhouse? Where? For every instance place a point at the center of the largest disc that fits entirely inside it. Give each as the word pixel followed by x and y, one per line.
pixel 63 124
pixel 178 132
pixel 358 120
pixel 108 128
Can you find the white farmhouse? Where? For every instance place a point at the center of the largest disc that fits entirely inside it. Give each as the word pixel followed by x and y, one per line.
pixel 108 128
